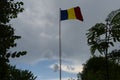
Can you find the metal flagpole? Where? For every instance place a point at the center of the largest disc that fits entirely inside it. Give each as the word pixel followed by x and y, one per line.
pixel 60 43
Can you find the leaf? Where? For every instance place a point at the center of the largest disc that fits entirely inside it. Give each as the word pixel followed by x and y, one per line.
pixel 23 53
pixel 93 49
pixel 18 54
pixel 13 55
pixel 8 55
pixel 111 43
pixel 118 39
pixel 21 3
pixel 114 39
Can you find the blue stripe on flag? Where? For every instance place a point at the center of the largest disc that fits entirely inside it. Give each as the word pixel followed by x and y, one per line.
pixel 64 14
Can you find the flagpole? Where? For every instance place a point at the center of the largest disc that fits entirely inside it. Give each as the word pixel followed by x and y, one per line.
pixel 60 43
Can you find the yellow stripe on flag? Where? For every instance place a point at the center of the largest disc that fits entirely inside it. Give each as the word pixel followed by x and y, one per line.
pixel 71 13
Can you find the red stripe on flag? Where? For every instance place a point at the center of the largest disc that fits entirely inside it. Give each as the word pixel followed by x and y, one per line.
pixel 78 13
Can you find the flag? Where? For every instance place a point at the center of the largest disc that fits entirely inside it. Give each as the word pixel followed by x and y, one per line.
pixel 72 13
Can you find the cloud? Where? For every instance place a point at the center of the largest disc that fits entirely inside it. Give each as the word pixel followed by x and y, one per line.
pixel 73 68
pixel 63 78
pixel 38 26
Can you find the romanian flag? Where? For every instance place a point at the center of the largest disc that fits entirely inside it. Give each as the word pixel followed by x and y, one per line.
pixel 72 13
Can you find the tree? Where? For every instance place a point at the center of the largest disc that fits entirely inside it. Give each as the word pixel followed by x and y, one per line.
pixel 103 35
pixel 9 9
pixel 7 41
pixel 18 74
pixel 94 69
pixel 114 56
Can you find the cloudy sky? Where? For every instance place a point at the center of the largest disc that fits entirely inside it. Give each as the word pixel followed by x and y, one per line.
pixel 38 26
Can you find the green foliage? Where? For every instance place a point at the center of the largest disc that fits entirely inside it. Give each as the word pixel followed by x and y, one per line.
pixel 7 41
pixel 4 70
pixel 11 73
pixel 115 32
pixel 18 74
pixel 114 56
pixel 96 31
pixel 101 36
pixel 9 9
pixel 96 38
pixel 94 69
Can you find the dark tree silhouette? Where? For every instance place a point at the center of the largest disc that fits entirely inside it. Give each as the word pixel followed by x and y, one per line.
pixel 94 69
pixel 114 56
pixel 103 35
pixel 97 38
pixel 7 41
pixel 8 10
pixel 18 74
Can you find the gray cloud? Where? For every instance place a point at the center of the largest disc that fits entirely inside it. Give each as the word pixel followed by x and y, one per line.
pixel 38 26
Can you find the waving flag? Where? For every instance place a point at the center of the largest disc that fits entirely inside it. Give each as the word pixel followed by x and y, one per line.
pixel 72 13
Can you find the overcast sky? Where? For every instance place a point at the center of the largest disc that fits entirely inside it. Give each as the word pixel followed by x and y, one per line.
pixel 38 26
